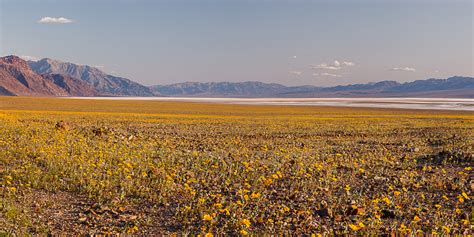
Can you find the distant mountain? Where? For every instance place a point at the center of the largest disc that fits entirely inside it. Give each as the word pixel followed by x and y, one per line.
pixel 453 83
pixel 454 87
pixel 105 84
pixel 17 78
pixel 225 89
pixel 49 77
pixel 373 87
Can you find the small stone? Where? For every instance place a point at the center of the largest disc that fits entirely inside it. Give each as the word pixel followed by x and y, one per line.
pixel 388 214
pixel 355 211
pixel 61 125
pixel 378 178
pixel 323 212
pixel 128 217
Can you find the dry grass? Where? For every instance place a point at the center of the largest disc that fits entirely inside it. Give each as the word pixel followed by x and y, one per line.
pixel 82 166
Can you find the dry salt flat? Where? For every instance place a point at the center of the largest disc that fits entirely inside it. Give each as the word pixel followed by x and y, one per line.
pixel 394 103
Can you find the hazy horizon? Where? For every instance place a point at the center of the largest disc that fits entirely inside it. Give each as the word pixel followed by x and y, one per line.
pixel 320 43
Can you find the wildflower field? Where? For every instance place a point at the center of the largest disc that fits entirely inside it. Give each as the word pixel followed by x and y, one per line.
pixel 148 167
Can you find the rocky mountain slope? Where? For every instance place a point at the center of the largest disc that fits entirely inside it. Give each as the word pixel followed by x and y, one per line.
pixel 104 83
pixel 71 85
pixel 17 78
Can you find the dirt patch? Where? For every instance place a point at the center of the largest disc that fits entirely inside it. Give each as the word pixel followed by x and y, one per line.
pixel 59 213
pixel 447 157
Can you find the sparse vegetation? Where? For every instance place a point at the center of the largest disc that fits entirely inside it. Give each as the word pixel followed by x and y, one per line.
pixel 80 166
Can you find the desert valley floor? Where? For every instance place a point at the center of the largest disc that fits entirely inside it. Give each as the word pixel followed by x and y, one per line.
pixel 75 166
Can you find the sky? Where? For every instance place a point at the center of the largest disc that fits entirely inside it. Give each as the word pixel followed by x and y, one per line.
pixel 291 42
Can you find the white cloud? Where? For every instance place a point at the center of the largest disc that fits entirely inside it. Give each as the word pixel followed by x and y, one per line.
pixel 55 20
pixel 403 69
pixel 325 66
pixel 297 73
pixel 336 65
pixel 29 58
pixel 325 74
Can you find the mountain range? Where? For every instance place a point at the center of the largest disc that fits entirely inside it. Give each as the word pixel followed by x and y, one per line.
pixel 454 87
pixel 49 77
pixel 105 84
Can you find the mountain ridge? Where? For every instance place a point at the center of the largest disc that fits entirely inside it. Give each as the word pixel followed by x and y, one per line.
pixel 104 83
pixel 17 78
pixel 50 77
pixel 456 86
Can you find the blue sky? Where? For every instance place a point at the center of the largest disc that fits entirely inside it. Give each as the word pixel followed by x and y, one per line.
pixel 293 42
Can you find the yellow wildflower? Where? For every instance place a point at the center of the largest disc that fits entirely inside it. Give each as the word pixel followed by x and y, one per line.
pixel 386 200
pixel 207 217
pixel 132 230
pixel 226 211
pixel 245 222
pixel 255 195
pixel 354 227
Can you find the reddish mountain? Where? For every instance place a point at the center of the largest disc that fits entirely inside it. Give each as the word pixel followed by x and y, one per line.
pixel 17 78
